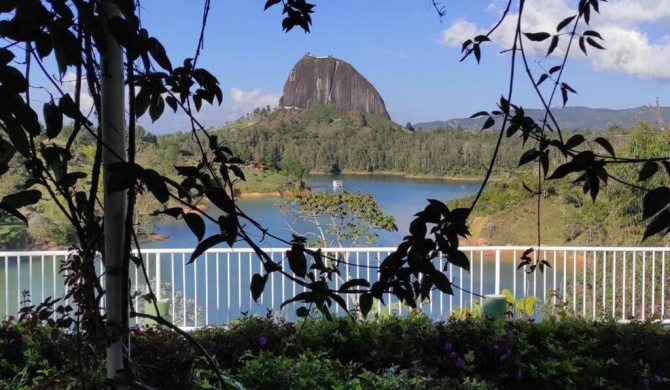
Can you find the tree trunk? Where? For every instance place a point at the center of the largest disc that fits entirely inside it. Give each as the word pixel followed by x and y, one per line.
pixel 114 150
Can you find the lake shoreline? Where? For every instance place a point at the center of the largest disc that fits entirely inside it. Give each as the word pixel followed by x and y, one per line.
pixel 447 178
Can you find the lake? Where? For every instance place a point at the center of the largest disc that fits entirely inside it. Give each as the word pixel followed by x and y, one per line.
pixel 216 286
pixel 399 196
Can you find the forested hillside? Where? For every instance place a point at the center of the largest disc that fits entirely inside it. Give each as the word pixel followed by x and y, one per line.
pixel 322 139
pixel 570 118
pixel 289 143
pixel 507 212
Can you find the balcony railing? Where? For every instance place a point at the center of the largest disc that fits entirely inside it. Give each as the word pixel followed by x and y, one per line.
pixel 592 282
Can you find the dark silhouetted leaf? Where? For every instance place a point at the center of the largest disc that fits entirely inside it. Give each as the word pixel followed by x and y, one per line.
pixel 70 179
pixel 221 200
pixel 305 296
pixel 658 224
pixel 649 169
pixel 565 22
pixel 205 245
pixel 564 95
pixel 537 37
pixel 442 282
pixel 504 105
pixel 53 119
pixel 156 185
pixel 13 211
pixel 522 264
pixel 591 33
pixel 480 113
pixel 187 171
pixel 489 123
pixel 196 224
pixel 302 311
pixel 606 145
pixel 238 172
pixel 297 260
pixel 544 263
pixel 477 51
pixel 142 101
pixel 552 45
pixel 257 286
pixel 574 141
pixel 544 161
pixel 22 199
pixel 542 78
pixel 417 228
pixel 174 212
pixel 562 171
pixel 593 43
pixel 270 3
pixel 157 107
pixel 654 201
pixel 569 88
pixel 528 156
pixel 172 102
pixel 6 56
pixel 582 46
pixel 482 38
pixel 365 303
pixel 554 69
pixel 354 283
pixel 158 53
pixel 17 136
pixel 666 165
pixel 460 259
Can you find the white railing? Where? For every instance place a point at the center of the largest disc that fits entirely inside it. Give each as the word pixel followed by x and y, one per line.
pixel 593 282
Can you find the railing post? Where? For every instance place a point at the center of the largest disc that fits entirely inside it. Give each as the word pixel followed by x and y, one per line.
pixel 157 290
pixel 497 275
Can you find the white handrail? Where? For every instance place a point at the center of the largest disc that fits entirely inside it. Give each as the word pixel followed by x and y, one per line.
pixel 595 282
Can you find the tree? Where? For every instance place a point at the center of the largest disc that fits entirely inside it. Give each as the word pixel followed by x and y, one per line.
pixel 338 218
pixel 409 126
pixel 82 36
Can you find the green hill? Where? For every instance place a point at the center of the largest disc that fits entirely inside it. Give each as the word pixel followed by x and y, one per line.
pixel 507 213
pixel 570 118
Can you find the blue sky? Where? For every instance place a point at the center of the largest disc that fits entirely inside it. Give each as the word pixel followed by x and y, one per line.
pixel 411 55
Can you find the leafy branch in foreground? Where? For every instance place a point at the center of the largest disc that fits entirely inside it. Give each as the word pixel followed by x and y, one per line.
pixel 72 35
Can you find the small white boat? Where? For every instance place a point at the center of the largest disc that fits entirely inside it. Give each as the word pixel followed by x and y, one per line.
pixel 337 184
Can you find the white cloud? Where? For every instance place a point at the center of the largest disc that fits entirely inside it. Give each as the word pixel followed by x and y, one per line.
pixel 460 31
pixel 238 104
pixel 246 101
pixel 625 25
pixel 69 86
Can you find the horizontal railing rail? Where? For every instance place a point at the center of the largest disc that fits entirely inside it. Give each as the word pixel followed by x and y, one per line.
pixel 592 282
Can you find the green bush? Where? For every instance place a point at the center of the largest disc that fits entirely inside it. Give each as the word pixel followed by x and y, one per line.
pixel 385 353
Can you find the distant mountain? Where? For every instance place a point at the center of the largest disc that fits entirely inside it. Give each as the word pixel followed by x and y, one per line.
pixel 331 81
pixel 569 118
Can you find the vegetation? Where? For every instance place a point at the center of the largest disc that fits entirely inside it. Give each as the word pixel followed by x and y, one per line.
pixel 569 216
pixel 321 139
pixel 384 353
pixel 338 219
pixel 103 40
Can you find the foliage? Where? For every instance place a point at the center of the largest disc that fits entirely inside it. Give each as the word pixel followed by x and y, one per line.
pixel 342 218
pixel 74 35
pixel 568 215
pixel 461 354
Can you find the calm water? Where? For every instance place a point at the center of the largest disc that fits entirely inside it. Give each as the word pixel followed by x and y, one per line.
pixel 217 286
pixel 400 197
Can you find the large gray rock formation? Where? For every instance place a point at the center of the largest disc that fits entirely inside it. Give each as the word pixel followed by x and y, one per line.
pixel 329 80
